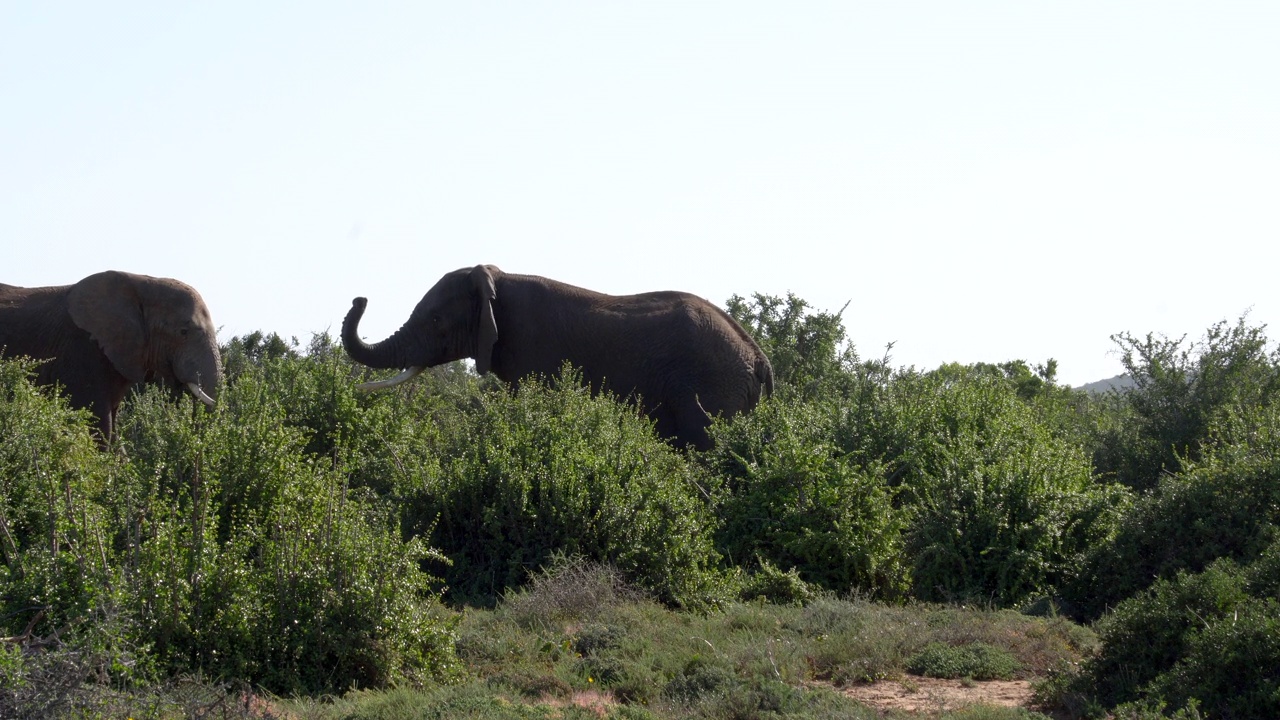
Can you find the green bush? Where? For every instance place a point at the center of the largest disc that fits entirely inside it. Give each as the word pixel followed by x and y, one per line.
pixel 551 469
pixel 969 480
pixel 1225 505
pixel 1231 665
pixel 216 541
pixel 566 590
pixel 257 559
pixel 55 533
pixel 1263 574
pixel 699 679
pixel 1148 634
pixel 976 661
pixel 808 351
pixel 1208 641
pixel 1001 508
pixel 1153 710
pixel 794 500
pixel 769 584
pixel 949 482
pixel 1180 393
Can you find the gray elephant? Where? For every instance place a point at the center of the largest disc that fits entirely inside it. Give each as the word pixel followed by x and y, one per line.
pixel 110 331
pixel 684 358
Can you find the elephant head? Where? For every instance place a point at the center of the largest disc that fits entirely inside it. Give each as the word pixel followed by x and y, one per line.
pixel 151 329
pixel 110 331
pixel 454 320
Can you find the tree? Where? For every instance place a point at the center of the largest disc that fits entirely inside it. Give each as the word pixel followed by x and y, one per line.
pixel 808 350
pixel 1180 390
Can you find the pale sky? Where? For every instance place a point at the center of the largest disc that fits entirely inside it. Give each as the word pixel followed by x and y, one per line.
pixel 978 181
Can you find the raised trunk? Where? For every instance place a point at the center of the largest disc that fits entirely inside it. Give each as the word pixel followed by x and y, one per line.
pixel 385 354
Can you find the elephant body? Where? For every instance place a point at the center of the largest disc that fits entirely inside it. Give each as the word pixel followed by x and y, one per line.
pixel 683 359
pixel 109 331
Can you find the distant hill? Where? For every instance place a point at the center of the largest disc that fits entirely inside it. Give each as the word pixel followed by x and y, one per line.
pixel 1119 382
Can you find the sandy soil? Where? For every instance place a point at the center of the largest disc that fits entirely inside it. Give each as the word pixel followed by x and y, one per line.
pixel 923 696
pixel 930 695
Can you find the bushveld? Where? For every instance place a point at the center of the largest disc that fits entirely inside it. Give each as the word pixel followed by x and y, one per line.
pixel 452 549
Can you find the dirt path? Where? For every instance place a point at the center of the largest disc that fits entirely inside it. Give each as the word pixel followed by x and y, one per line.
pixel 931 696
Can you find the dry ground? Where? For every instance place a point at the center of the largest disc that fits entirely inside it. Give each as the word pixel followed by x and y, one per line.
pixel 921 695
pixel 931 696
pixel 910 694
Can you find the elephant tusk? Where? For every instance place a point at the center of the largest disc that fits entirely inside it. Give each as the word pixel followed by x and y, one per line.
pixel 407 374
pixel 200 394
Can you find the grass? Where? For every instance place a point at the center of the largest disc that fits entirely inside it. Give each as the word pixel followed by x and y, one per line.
pixel 578 643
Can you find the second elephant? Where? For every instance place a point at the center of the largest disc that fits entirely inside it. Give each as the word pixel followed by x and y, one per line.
pixel 109 331
pixel 684 358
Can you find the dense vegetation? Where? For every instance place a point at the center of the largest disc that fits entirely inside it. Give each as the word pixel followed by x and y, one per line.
pixel 308 539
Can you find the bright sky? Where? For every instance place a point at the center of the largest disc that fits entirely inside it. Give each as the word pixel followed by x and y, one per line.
pixel 978 181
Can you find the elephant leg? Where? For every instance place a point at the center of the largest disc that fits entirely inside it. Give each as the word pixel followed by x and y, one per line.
pixel 664 421
pixel 687 423
pixel 106 416
pixel 107 395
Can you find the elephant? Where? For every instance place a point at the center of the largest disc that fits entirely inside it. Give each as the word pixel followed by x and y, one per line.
pixel 109 331
pixel 681 358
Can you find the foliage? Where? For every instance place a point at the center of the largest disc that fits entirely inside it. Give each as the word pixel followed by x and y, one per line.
pixel 1231 667
pixel 552 469
pixel 215 539
pixel 795 500
pixel 1197 637
pixel 1155 710
pixel 53 526
pixel 769 584
pixel 808 351
pixel 255 349
pixel 976 661
pixel 1069 414
pixel 1003 508
pixel 1000 506
pixel 568 589
pixel 1205 641
pixel 1225 505
pixel 259 561
pixel 1180 391
pixel 969 482
pixel 303 536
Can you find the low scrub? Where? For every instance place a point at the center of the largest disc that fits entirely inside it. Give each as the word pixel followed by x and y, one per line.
pixel 1207 641
pixel 977 661
pixel 1226 505
pixel 793 500
pixel 308 538
pixel 215 541
pixel 636 658
pixel 552 470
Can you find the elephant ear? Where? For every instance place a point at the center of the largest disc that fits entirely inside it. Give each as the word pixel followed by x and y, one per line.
pixel 107 306
pixel 487 334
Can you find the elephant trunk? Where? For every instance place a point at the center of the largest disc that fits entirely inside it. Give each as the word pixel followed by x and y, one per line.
pixel 198 369
pixel 386 354
pixel 382 355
